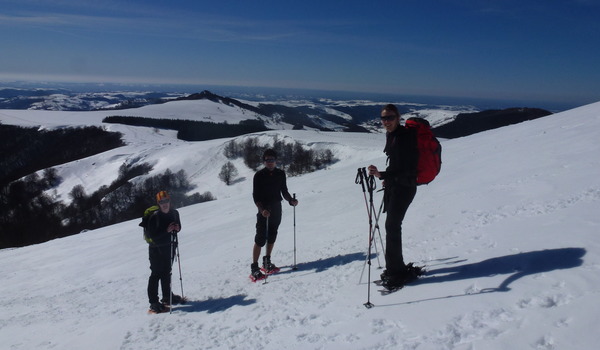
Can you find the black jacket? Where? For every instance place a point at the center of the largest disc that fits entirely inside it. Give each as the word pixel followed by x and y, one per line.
pixel 158 224
pixel 269 186
pixel 403 155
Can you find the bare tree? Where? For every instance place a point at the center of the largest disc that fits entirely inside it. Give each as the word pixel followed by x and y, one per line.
pixel 228 173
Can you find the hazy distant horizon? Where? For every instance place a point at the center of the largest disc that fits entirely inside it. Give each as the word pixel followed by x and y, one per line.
pixel 274 93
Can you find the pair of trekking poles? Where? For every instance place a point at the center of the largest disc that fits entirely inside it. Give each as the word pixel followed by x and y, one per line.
pixel 174 244
pixel 368 184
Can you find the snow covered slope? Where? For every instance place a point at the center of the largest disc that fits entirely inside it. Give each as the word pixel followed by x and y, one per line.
pixel 508 232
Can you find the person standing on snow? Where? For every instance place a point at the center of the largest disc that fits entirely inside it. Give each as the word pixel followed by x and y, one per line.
pixel 269 185
pixel 400 188
pixel 160 227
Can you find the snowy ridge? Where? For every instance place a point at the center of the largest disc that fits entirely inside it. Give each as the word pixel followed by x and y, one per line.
pixel 436 117
pixel 508 232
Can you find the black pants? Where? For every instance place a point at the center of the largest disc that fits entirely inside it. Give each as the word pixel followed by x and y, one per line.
pixel 160 267
pixel 261 225
pixel 398 199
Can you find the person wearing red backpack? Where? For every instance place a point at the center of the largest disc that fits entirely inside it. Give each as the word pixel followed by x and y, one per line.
pixel 400 188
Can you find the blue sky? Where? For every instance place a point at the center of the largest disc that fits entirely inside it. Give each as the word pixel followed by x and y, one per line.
pixel 544 50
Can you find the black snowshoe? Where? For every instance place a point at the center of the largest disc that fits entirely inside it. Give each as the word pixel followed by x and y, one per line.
pixel 394 283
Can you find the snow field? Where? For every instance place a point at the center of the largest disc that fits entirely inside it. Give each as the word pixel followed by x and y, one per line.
pixel 507 232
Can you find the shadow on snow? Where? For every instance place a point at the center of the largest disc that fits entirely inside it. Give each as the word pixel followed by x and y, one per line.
pixel 215 305
pixel 222 304
pixel 517 265
pixel 325 264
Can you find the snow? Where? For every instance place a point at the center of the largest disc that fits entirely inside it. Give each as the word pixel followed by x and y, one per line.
pixel 436 117
pixel 508 232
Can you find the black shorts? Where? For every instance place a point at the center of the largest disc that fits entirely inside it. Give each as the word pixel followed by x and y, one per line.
pixel 262 234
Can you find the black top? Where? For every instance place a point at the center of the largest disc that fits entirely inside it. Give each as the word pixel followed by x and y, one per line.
pixel 158 224
pixel 269 186
pixel 403 155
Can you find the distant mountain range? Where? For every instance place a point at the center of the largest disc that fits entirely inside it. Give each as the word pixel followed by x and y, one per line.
pixel 314 113
pixel 67 100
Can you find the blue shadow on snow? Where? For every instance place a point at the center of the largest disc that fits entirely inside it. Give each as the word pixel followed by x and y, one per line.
pixel 517 265
pixel 327 263
pixel 215 305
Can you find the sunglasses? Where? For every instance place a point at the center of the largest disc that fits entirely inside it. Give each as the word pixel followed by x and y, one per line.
pixel 388 118
pixel 164 201
pixel 270 160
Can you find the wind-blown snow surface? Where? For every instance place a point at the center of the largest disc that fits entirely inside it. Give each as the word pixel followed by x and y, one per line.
pixel 508 233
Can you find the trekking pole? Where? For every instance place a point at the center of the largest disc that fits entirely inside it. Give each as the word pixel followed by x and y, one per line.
pixel 361 178
pixel 379 232
pixel 368 304
pixel 373 238
pixel 173 233
pixel 294 268
pixel 371 187
pixel 360 181
pixel 266 244
pixel 179 263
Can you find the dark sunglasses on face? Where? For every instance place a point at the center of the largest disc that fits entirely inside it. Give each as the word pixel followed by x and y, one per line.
pixel 388 118
pixel 164 201
pixel 270 160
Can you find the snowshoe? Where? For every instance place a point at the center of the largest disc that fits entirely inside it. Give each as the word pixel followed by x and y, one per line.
pixel 157 308
pixel 256 274
pixel 268 267
pixel 394 283
pixel 384 276
pixel 413 272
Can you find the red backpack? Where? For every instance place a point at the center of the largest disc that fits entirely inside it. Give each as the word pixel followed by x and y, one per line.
pixel 430 151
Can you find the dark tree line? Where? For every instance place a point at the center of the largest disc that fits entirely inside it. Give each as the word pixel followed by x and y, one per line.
pixel 122 200
pixel 191 130
pixel 24 151
pixel 470 123
pixel 294 158
pixel 27 214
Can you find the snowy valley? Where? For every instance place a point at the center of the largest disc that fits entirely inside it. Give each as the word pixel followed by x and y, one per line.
pixel 508 233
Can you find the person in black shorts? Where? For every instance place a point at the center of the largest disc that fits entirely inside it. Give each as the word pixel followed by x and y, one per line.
pixel 269 189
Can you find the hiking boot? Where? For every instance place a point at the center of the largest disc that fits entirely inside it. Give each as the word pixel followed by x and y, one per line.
pixel 413 272
pixel 392 284
pixel 396 281
pixel 387 275
pixel 157 308
pixel 176 300
pixel 255 273
pixel 268 266
pixel 384 276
